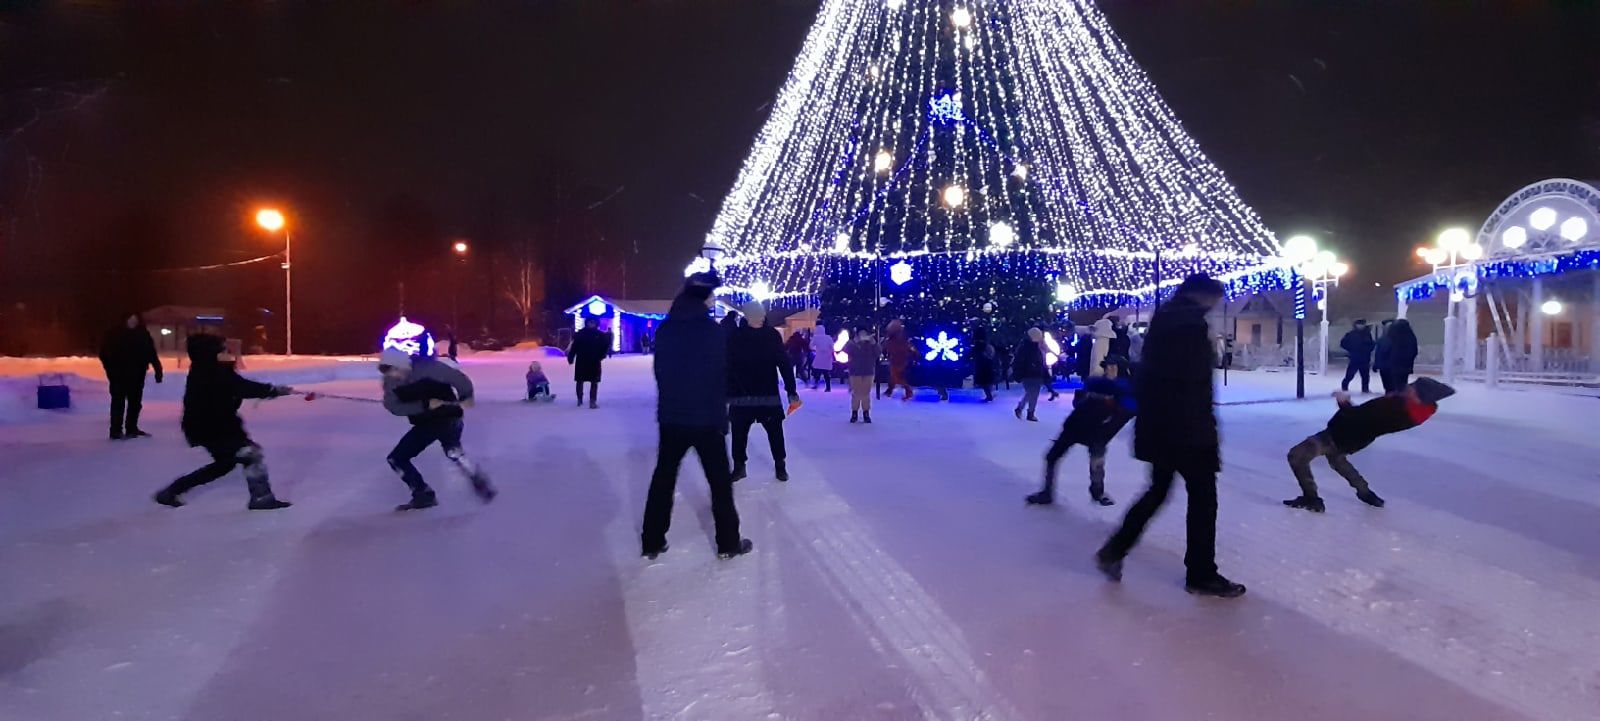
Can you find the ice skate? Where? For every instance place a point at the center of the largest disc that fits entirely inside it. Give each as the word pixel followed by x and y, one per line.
pixel 136 433
pixel 1309 503
pixel 269 503
pixel 1042 498
pixel 652 553
pixel 1017 412
pixel 593 405
pixel 1216 586
pixel 1370 498
pixel 739 472
pixel 168 499
pixel 745 546
pixel 485 491
pixel 1101 498
pixel 866 416
pixel 854 417
pixel 783 471
pixel 1033 418
pixel 417 503
pixel 1111 569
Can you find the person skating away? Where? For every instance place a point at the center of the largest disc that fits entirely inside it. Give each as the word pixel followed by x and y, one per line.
pixel 691 406
pixel 126 353
pixel 897 347
pixel 1029 369
pixel 1176 433
pixel 589 347
pixel 984 359
pixel 538 383
pixel 822 359
pixel 432 395
pixel 756 360
pixel 211 399
pixel 1099 411
pixel 1358 345
pixel 1355 427
pixel 1399 351
pixel 796 346
pixel 863 352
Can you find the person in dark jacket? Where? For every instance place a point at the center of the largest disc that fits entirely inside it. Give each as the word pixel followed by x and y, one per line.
pixel 211 400
pixel 1176 433
pixel 125 354
pixel 431 394
pixel 589 347
pixel 1352 429
pixel 985 362
pixel 1100 409
pixel 796 348
pixel 1397 356
pixel 692 408
pixel 1358 344
pixel 1029 369
pixel 1122 342
pixel 863 352
pixel 756 360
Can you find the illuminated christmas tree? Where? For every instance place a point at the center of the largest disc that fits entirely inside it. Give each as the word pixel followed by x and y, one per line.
pixel 957 158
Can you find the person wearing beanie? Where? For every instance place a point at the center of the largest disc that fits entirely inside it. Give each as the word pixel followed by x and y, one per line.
pixel 211 399
pixel 1100 409
pixel 1029 369
pixel 1355 427
pixel 432 395
pixel 691 363
pixel 1176 433
pixel 589 347
pixel 756 360
pixel 822 359
pixel 1358 346
pixel 863 352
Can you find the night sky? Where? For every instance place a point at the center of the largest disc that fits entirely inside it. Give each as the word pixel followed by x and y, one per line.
pixel 140 139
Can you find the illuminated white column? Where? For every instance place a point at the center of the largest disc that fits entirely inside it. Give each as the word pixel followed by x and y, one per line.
pixel 1594 325
pixel 1400 308
pixel 1469 335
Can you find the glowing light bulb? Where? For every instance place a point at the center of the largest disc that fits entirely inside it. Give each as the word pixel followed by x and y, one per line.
pixel 1471 251
pixel 1338 270
pixel 954 196
pixel 900 273
pixel 961 18
pixel 1574 229
pixel 760 290
pixel 1454 239
pixel 1065 293
pixel 1300 249
pixel 1551 307
pixel 1001 234
pixel 841 243
pixel 882 161
pixel 1542 218
pixel 1514 237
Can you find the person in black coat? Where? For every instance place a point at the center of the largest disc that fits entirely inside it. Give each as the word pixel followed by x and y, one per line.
pixel 756 360
pixel 691 364
pixel 1028 367
pixel 211 400
pixel 1358 344
pixel 126 353
pixel 590 346
pixel 1176 433
pixel 985 361
pixel 1397 355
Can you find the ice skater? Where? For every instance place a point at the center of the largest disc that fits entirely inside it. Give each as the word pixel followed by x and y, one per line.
pixel 1029 368
pixel 692 408
pixel 538 384
pixel 1355 427
pixel 822 359
pixel 984 363
pixel 431 394
pixel 756 360
pixel 1358 345
pixel 863 352
pixel 211 399
pixel 1395 356
pixel 1176 433
pixel 589 348
pixel 1099 411
pixel 897 346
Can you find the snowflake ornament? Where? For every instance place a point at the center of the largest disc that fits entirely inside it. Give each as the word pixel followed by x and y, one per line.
pixel 943 347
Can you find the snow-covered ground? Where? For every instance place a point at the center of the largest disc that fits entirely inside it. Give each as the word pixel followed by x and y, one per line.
pixel 898 576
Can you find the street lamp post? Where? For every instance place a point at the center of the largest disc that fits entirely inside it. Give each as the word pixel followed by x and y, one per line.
pixel 272 220
pixel 460 248
pixel 1454 252
pixel 1315 271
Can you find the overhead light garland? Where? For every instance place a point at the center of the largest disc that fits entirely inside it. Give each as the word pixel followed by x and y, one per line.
pixel 998 150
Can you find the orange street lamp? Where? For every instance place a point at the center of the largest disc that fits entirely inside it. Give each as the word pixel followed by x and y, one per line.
pixel 460 247
pixel 272 221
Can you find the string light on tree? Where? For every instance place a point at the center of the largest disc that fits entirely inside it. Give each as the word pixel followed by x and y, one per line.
pixel 1033 116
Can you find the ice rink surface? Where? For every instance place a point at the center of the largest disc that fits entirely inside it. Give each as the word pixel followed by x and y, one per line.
pixel 897 576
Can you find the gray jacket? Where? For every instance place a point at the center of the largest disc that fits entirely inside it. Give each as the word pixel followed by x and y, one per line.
pixel 429 379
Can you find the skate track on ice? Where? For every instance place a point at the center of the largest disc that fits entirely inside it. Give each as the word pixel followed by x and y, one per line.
pixel 898 576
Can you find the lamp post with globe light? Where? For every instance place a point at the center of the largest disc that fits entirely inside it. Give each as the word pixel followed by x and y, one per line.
pixel 1453 254
pixel 272 221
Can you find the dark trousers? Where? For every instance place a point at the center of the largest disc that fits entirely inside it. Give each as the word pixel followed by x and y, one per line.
pixel 823 376
pixel 447 433
pixel 224 456
pixel 594 390
pixel 127 400
pixel 1364 369
pixel 1094 440
pixel 1201 481
pixel 1394 381
pixel 675 444
pixel 770 418
pixel 1321 444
